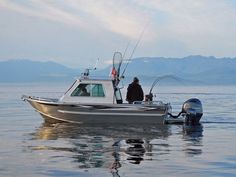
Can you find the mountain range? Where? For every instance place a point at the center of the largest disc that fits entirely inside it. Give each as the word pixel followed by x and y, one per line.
pixel 195 70
pixel 34 71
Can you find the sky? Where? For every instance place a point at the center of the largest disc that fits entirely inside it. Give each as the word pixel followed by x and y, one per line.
pixel 77 32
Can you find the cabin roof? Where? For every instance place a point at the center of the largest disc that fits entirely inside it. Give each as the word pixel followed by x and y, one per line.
pixel 108 91
pixel 95 79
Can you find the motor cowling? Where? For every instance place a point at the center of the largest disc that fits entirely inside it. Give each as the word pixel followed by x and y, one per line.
pixel 193 111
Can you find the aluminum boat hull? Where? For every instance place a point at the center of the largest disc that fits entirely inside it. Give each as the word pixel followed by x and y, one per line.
pixel 53 111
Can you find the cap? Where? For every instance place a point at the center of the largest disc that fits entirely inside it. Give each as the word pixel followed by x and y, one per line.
pixel 136 79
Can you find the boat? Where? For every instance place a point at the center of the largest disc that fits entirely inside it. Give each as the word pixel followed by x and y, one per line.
pixel 99 101
pixel 103 105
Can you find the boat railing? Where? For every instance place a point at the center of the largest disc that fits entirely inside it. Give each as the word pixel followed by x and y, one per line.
pixel 149 102
pixel 25 97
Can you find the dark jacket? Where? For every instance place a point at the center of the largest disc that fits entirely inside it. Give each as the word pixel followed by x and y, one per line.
pixel 134 93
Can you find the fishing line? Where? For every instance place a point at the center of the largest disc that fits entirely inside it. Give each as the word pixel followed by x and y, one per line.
pixel 137 43
pixel 126 49
pixel 161 78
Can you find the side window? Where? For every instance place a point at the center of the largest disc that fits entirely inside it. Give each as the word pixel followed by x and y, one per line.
pixel 94 90
pixel 97 90
pixel 82 90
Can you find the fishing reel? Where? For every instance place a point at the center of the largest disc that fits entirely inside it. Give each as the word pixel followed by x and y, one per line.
pixel 149 97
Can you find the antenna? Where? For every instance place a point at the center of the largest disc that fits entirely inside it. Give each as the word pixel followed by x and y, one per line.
pixel 95 67
pixel 85 74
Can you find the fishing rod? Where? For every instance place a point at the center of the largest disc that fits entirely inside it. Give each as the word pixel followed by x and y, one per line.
pixel 126 50
pixel 157 80
pixel 135 47
pixel 150 95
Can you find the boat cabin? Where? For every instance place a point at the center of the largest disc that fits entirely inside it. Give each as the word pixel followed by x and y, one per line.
pixel 88 91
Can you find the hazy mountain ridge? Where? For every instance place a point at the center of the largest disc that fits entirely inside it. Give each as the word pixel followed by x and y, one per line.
pixel 205 70
pixel 33 71
pixel 192 69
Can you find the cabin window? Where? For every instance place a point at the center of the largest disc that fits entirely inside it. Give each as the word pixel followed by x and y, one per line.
pixel 82 90
pixel 93 90
pixel 97 90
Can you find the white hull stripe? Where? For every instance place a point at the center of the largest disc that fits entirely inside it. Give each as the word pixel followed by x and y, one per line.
pixel 64 120
pixel 110 114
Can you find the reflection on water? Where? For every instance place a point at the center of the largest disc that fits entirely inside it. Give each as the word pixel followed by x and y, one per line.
pixel 193 136
pixel 112 146
pixel 68 150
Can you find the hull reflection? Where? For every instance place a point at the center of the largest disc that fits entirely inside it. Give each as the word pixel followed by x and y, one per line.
pixel 111 146
pixel 90 146
pixel 49 131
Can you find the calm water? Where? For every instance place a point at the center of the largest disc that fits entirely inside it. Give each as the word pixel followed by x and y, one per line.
pixel 29 147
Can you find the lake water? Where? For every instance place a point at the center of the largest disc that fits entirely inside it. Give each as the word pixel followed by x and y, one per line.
pixel 29 147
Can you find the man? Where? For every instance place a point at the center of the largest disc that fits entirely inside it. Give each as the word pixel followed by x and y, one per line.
pixel 134 91
pixel 84 92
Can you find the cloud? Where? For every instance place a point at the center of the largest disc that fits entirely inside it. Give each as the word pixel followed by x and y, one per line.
pixel 202 27
pixel 176 27
pixel 191 17
pixel 183 18
pixel 43 9
pixel 112 16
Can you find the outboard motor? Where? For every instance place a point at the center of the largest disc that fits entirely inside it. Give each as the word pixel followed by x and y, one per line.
pixel 192 110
